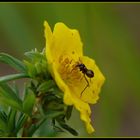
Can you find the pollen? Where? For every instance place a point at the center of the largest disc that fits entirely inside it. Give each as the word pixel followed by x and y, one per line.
pixel 69 73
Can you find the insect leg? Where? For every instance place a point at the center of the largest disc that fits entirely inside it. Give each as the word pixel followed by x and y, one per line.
pixel 85 86
pixel 90 79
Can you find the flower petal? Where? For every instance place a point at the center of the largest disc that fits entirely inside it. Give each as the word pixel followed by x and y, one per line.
pixel 66 41
pixel 48 36
pixel 91 94
pixel 71 99
pixel 48 33
pixel 85 113
pixel 61 84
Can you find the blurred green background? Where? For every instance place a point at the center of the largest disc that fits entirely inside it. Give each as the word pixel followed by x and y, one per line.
pixel 110 33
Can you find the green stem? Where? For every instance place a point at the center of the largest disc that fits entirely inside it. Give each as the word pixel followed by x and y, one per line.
pixel 26 126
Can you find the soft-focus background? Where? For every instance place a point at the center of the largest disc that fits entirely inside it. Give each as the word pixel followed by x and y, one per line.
pixel 110 33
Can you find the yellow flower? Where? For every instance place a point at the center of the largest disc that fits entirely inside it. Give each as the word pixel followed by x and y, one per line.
pixel 64 50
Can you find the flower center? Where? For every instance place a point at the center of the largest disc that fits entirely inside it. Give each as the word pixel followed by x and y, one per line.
pixel 69 72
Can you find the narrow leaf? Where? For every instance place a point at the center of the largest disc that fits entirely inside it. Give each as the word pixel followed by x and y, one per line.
pixel 68 128
pixel 3 128
pixel 30 68
pixel 3 116
pixel 13 77
pixel 68 112
pixel 57 129
pixel 13 62
pixel 12 120
pixel 34 55
pixel 28 102
pixel 45 86
pixel 8 97
pixel 52 114
pixel 21 120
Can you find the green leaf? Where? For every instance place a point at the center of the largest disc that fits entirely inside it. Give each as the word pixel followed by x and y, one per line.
pixel 21 120
pixel 37 65
pixel 68 112
pixel 58 92
pixel 68 128
pixel 14 62
pixel 13 77
pixel 35 55
pixel 29 102
pixel 56 128
pixel 3 116
pixel 11 120
pixel 3 127
pixel 3 124
pixel 8 97
pixel 32 72
pixel 45 86
pixel 16 89
pixel 52 103
pixel 53 114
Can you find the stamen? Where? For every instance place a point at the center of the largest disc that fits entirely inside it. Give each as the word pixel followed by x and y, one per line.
pixel 68 71
pixel 60 59
pixel 66 60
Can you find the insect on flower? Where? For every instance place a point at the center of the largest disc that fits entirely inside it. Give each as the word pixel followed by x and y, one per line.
pixel 89 73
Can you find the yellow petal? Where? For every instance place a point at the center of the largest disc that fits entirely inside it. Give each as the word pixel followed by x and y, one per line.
pixel 48 36
pixel 48 33
pixel 71 99
pixel 61 84
pixel 85 113
pixel 66 41
pixel 91 94
pixel 90 129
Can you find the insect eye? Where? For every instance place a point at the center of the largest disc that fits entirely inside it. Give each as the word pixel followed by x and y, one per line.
pixel 82 65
